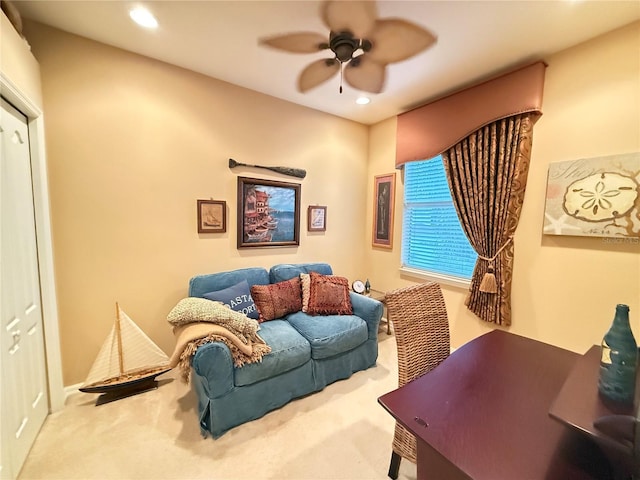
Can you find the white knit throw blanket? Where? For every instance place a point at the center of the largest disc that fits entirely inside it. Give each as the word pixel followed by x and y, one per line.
pixel 197 321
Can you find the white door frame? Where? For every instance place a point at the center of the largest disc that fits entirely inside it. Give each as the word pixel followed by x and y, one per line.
pixel 14 94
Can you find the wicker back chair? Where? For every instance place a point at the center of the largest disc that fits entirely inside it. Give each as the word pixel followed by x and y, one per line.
pixel 419 318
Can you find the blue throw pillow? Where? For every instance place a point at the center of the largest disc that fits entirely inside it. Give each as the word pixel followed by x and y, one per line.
pixel 238 298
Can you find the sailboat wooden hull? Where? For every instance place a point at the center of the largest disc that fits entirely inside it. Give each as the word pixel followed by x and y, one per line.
pixel 126 381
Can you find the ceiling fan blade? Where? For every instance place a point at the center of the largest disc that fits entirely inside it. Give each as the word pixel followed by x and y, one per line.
pixel 316 73
pixel 394 40
pixel 353 16
pixel 367 75
pixel 301 42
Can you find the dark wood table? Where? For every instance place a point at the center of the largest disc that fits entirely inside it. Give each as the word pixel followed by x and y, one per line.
pixel 484 414
pixel 578 405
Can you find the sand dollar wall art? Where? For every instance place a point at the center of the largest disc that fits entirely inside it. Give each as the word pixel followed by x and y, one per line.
pixel 596 197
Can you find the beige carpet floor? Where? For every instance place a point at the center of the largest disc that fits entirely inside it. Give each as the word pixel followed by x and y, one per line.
pixel 339 433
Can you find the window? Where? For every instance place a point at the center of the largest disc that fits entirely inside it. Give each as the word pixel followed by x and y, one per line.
pixel 433 243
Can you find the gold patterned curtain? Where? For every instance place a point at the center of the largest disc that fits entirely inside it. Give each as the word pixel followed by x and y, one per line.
pixel 487 173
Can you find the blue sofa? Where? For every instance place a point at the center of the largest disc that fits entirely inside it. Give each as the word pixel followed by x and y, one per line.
pixel 308 353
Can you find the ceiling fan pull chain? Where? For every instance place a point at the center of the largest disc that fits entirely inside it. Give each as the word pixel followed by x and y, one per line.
pixel 341 70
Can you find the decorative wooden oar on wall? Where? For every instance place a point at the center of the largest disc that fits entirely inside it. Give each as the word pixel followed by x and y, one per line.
pixel 292 172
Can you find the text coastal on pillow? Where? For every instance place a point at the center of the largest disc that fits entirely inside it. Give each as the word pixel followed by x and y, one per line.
pixel 237 298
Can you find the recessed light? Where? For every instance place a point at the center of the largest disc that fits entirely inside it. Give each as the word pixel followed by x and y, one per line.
pixel 143 17
pixel 362 100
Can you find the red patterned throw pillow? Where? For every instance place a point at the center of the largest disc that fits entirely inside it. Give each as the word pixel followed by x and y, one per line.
pixel 329 295
pixel 278 299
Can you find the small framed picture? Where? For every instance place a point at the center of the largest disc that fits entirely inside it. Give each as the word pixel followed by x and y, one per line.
pixel 212 216
pixel 383 205
pixel 316 218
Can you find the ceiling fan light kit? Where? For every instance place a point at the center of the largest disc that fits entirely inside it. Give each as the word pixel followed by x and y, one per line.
pixel 343 44
pixel 362 45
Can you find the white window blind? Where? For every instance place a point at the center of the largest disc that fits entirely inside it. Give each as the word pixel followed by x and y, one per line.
pixel 432 239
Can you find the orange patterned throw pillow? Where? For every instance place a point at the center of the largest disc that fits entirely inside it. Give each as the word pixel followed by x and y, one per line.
pixel 278 299
pixel 329 295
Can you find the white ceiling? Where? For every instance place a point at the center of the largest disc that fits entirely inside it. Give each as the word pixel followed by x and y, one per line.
pixel 476 39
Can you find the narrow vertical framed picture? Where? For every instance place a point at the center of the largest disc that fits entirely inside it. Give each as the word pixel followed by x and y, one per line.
pixel 212 216
pixel 316 218
pixel 383 205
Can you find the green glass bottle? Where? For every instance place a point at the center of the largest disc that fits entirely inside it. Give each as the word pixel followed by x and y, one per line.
pixel 619 360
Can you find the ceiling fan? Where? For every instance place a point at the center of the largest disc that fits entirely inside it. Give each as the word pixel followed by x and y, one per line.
pixel 360 43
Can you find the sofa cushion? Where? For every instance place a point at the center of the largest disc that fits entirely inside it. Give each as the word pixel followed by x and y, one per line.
pixel 329 335
pixel 278 299
pixel 289 350
pixel 201 284
pixel 329 295
pixel 237 298
pixel 286 271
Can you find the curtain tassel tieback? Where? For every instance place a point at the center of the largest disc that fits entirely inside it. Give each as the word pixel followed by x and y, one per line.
pixel 489 283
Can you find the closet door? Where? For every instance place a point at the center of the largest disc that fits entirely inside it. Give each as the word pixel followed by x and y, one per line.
pixel 23 381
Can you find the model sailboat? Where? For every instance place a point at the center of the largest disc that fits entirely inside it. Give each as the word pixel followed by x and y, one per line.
pixel 128 361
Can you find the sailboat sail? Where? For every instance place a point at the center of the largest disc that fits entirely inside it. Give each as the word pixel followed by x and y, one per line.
pixel 127 353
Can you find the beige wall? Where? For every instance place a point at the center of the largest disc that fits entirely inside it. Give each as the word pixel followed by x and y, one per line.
pixel 565 288
pixel 132 143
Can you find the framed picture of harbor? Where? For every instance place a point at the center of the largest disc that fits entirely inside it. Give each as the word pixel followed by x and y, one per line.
pixel 268 213
pixel 383 205
pixel 316 218
pixel 212 216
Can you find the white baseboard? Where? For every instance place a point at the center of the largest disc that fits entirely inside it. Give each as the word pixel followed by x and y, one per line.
pixel 71 389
